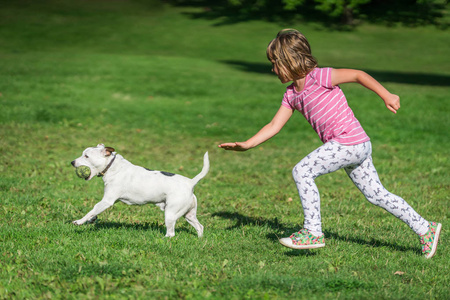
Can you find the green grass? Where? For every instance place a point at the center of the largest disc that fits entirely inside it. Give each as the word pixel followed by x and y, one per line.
pixel 163 88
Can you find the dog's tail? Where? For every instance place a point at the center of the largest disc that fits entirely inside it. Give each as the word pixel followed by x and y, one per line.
pixel 204 171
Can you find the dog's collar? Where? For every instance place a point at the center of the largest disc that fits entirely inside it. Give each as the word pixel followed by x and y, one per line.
pixel 107 167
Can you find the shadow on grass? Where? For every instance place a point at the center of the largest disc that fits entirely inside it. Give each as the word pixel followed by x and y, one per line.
pixel 145 226
pixel 134 226
pixel 303 253
pixel 384 76
pixel 242 220
pixel 369 242
pixel 281 230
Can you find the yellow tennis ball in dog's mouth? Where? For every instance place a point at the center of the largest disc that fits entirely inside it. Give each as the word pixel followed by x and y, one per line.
pixel 83 172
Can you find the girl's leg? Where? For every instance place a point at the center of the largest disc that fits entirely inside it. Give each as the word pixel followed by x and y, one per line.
pixel 328 158
pixel 365 177
pixel 357 162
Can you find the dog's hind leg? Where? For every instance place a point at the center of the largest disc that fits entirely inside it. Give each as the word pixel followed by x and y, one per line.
pixel 172 214
pixel 191 218
pixel 170 220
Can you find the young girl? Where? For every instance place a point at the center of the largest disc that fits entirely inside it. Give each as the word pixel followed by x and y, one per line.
pixel 315 93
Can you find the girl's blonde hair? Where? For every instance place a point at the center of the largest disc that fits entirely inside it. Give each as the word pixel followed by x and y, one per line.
pixel 291 53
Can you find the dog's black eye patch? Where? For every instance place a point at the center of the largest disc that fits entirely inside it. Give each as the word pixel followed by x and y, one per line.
pixel 167 173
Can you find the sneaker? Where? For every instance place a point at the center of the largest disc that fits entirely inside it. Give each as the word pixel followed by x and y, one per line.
pixel 430 239
pixel 303 240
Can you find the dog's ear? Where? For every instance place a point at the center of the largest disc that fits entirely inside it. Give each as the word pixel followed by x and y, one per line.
pixel 109 150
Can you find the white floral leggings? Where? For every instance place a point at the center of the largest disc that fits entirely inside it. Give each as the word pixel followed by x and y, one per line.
pixel 357 162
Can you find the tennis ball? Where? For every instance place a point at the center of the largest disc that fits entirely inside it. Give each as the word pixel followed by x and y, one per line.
pixel 83 172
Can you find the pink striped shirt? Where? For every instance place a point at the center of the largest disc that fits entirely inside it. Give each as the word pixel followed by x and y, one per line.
pixel 326 109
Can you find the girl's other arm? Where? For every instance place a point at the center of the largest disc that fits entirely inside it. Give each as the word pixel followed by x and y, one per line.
pixel 339 76
pixel 268 131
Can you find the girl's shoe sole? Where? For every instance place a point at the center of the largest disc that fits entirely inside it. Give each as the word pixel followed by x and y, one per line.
pixel 292 246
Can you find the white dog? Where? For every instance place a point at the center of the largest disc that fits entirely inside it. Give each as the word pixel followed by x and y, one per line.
pixel 132 184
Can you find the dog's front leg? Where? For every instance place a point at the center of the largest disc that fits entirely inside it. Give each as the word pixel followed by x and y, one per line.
pixel 98 208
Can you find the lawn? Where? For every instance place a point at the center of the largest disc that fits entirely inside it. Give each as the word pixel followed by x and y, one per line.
pixel 162 87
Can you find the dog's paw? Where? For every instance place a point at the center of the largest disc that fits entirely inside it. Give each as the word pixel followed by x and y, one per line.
pixel 200 231
pixel 77 222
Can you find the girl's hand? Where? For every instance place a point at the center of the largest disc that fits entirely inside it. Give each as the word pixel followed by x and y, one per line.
pixel 267 132
pixel 392 102
pixel 238 146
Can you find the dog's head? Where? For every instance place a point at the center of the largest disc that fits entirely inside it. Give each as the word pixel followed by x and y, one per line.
pixel 96 158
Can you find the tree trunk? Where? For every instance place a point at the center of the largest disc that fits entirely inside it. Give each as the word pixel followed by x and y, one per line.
pixel 347 16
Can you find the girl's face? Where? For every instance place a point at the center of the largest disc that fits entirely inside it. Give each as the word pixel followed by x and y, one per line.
pixel 276 71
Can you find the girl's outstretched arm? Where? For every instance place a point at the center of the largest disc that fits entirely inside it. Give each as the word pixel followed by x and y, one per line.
pixel 268 131
pixel 339 76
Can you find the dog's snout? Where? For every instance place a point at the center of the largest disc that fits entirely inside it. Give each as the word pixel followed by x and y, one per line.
pixel 73 163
